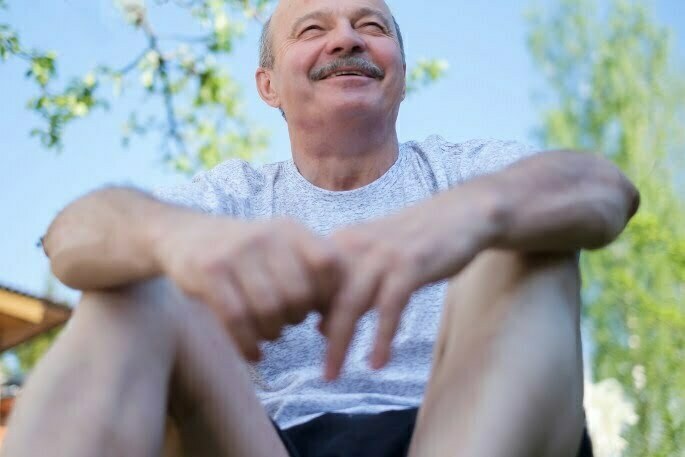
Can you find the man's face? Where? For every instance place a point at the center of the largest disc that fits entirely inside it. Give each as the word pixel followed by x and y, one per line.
pixel 339 56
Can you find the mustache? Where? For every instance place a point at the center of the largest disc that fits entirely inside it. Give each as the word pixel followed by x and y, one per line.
pixel 367 67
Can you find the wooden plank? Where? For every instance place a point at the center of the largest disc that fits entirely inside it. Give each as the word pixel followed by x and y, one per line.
pixel 21 307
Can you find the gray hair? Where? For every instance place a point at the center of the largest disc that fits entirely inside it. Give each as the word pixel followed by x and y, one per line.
pixel 266 52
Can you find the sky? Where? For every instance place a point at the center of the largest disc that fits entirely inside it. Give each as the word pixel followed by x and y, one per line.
pixel 487 93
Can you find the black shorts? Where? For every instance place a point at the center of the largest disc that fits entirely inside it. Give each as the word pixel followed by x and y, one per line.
pixel 357 435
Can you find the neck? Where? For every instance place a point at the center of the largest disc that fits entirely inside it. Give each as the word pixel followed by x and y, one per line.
pixel 335 158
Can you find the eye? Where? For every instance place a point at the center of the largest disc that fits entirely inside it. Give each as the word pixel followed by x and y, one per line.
pixel 311 27
pixel 373 24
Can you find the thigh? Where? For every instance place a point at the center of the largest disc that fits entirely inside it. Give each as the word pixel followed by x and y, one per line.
pixel 212 399
pixel 507 359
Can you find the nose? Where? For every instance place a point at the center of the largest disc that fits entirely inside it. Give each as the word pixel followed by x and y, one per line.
pixel 344 40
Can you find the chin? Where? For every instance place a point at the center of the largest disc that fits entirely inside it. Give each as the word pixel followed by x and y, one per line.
pixel 354 106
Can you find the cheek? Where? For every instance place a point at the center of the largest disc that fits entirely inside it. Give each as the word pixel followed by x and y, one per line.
pixel 297 61
pixel 388 57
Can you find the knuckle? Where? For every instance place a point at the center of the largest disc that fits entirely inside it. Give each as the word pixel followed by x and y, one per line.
pixel 419 259
pixel 405 262
pixel 383 252
pixel 235 317
pixel 259 239
pixel 208 263
pixel 299 293
pixel 214 266
pixel 325 259
pixel 268 312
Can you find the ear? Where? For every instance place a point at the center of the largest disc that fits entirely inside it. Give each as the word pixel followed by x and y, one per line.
pixel 265 87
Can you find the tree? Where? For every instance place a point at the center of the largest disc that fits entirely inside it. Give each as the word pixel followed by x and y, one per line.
pixel 203 121
pixel 613 90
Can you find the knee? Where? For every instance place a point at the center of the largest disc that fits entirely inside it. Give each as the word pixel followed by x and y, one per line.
pixel 518 302
pixel 500 276
pixel 507 268
pixel 149 306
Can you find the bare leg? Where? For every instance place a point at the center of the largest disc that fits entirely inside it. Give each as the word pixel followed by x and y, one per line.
pixel 102 389
pixel 213 398
pixel 507 372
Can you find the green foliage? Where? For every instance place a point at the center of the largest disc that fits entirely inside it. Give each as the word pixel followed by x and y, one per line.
pixel 203 120
pixel 614 91
pixel 30 352
pixel 76 101
pixel 9 42
pixel 56 109
pixel 425 73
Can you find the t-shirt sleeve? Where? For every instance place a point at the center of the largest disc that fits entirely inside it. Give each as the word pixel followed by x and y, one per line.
pixel 482 157
pixel 200 194
pixel 470 159
pixel 224 190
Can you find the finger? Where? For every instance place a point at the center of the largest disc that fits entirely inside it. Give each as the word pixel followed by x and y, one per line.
pixel 295 285
pixel 326 266
pixel 322 326
pixel 246 338
pixel 352 302
pixel 236 319
pixel 391 301
pixel 261 296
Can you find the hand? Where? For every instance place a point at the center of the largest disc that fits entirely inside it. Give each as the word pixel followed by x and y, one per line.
pixel 256 276
pixel 387 259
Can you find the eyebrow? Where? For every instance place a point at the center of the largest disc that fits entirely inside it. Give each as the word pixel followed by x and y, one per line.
pixel 358 14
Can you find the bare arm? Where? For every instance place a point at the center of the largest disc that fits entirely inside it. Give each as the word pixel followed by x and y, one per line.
pixel 256 275
pixel 107 238
pixel 560 201
pixel 557 202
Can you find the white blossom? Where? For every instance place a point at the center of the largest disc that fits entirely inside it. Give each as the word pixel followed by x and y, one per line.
pixel 639 377
pixel 133 10
pixel 609 414
pixel 634 341
pixel 221 23
pixel 147 79
pixel 89 80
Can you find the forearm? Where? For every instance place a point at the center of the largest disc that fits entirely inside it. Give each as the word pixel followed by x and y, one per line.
pixel 107 238
pixel 559 201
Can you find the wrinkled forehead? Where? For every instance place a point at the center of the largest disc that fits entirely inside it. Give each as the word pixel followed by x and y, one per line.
pixel 289 11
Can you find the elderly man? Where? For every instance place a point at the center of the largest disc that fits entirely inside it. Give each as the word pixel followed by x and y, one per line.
pixel 454 266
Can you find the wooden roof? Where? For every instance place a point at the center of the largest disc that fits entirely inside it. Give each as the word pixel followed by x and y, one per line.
pixel 23 316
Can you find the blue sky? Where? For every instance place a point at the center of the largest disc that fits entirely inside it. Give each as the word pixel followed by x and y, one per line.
pixel 486 93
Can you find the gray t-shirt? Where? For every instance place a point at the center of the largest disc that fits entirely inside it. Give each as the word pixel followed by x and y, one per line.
pixel 289 378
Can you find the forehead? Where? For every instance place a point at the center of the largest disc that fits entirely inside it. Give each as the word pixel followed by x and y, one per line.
pixel 288 11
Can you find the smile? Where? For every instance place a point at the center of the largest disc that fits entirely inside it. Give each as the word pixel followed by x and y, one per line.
pixel 347 73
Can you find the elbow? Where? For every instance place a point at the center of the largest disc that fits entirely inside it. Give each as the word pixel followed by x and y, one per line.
pixel 632 197
pixel 626 205
pixel 66 241
pixel 54 247
pixel 62 271
pixel 619 200
pixel 69 269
